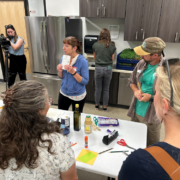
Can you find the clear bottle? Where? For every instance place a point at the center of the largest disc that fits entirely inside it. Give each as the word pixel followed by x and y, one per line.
pixel 88 125
pixel 77 118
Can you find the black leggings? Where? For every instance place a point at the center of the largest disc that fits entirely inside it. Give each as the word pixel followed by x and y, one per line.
pixel 64 103
pixel 17 65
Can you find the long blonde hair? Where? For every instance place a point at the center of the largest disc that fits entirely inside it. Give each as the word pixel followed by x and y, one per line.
pixel 164 85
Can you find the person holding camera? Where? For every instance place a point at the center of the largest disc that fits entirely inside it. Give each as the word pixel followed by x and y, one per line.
pixel 17 57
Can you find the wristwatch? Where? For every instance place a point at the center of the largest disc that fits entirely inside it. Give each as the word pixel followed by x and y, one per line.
pixel 74 73
pixel 151 99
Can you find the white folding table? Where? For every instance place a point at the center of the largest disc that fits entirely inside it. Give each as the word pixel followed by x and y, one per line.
pixel 107 164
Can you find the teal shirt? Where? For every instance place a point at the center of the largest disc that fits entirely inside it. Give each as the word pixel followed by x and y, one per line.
pixel 147 80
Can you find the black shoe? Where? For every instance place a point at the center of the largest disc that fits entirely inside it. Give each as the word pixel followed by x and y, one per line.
pixel 104 109
pixel 96 106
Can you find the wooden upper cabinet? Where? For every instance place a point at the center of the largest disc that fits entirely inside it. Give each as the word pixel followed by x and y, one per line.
pixel 150 19
pixel 169 26
pixel 113 8
pixel 102 8
pixel 134 10
pixel 142 19
pixel 90 8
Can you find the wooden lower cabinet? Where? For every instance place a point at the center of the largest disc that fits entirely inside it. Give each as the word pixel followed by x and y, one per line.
pixel 113 90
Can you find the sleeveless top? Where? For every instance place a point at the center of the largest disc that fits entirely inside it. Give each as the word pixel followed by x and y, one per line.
pixel 19 51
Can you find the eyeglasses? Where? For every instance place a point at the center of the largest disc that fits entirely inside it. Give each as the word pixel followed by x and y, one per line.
pixel 167 63
pixel 9 26
pixel 50 101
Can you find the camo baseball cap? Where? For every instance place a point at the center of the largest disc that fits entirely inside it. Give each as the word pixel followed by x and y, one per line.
pixel 152 45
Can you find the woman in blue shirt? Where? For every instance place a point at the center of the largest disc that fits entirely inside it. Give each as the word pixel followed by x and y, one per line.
pixel 17 57
pixel 74 76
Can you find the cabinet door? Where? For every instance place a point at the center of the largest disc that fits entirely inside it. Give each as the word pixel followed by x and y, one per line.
pixel 133 20
pixel 113 8
pixel 90 87
pixel 90 8
pixel 150 20
pixel 169 21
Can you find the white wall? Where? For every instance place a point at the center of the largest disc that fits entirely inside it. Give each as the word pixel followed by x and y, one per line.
pixel 36 7
pixel 62 7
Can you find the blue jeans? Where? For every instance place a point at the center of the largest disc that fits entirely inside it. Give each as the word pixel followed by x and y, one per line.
pixel 102 78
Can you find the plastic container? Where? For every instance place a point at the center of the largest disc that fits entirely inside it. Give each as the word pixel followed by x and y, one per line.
pixel 88 125
pixel 126 61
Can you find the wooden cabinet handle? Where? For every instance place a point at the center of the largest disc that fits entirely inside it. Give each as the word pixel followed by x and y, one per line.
pixel 136 35
pixel 104 11
pixel 98 11
pixel 176 36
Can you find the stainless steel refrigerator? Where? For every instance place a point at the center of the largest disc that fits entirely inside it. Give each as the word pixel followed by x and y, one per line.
pixel 45 41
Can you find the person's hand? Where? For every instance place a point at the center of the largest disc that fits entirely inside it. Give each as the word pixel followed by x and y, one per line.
pixel 70 69
pixel 138 94
pixel 59 67
pixel 7 39
pixel 145 97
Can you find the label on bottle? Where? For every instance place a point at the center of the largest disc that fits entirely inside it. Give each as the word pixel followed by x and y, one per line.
pixel 88 128
pixel 86 144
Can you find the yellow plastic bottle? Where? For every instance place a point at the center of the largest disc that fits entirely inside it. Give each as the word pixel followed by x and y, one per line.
pixel 88 125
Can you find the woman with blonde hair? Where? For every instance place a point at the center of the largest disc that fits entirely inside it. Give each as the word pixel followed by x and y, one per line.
pixel 103 51
pixel 31 147
pixel 160 161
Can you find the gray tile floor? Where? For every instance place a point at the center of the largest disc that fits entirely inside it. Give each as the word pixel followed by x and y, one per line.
pixel 114 112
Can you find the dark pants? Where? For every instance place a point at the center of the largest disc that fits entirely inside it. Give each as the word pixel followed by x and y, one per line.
pixel 64 103
pixel 102 78
pixel 17 65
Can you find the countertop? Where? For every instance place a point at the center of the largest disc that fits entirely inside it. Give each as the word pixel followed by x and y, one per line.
pixel 115 70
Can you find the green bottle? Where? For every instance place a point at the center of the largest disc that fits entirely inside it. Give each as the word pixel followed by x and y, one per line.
pixel 77 118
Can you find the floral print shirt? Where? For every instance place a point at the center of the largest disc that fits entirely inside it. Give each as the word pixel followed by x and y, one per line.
pixel 49 166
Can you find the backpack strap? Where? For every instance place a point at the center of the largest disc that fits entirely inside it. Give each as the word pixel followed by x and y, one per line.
pixel 165 161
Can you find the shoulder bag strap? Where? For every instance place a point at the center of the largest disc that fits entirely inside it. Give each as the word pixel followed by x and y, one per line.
pixel 166 161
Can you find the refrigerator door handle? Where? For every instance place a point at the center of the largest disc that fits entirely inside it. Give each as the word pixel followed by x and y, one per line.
pixel 55 78
pixel 42 44
pixel 45 45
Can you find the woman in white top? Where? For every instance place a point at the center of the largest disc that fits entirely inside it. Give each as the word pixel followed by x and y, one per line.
pixel 31 147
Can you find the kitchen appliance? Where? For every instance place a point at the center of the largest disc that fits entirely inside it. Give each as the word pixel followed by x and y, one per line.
pixel 89 40
pixel 45 40
pixel 125 93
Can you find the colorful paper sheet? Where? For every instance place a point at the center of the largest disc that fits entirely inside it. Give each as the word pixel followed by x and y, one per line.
pixel 87 156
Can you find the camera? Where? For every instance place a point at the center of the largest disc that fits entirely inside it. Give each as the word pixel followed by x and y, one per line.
pixel 4 42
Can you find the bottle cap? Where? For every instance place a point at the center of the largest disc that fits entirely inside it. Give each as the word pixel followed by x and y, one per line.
pixel 77 105
pixel 86 138
pixel 88 116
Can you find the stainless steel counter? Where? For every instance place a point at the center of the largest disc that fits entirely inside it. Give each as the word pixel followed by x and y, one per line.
pixel 115 70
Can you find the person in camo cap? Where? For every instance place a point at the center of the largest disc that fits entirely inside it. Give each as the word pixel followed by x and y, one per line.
pixel 142 82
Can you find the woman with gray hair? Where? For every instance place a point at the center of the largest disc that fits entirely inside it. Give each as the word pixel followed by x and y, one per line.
pixel 160 161
pixel 31 147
